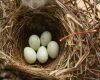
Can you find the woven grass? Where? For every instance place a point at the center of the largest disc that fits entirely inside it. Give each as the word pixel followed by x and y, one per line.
pixel 77 33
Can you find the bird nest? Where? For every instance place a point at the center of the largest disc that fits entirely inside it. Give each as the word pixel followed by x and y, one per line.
pixel 79 42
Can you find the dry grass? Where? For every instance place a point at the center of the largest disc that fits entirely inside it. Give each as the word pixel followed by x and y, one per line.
pixel 76 28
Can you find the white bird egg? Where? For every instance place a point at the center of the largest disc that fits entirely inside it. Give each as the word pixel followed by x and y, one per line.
pixel 42 55
pixel 34 42
pixel 45 38
pixel 29 55
pixel 53 49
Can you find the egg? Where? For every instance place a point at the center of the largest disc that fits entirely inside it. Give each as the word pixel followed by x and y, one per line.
pixel 29 55
pixel 53 49
pixel 45 38
pixel 42 55
pixel 34 42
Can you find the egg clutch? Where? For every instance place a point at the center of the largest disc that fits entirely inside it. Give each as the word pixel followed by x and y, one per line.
pixel 41 48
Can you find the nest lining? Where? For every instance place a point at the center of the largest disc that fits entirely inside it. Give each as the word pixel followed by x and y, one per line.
pixel 36 22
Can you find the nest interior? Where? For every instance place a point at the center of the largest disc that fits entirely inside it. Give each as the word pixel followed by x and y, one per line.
pixel 27 23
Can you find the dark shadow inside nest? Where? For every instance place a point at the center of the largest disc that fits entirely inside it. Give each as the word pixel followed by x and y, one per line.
pixel 37 23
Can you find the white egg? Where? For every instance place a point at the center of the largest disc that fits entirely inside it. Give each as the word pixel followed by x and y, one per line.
pixel 45 38
pixel 42 55
pixel 34 42
pixel 53 49
pixel 29 55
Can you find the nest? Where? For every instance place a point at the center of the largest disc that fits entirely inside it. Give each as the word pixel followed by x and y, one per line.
pixel 79 42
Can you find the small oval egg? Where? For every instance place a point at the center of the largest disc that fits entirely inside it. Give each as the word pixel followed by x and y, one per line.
pixel 29 55
pixel 34 42
pixel 42 55
pixel 45 38
pixel 53 49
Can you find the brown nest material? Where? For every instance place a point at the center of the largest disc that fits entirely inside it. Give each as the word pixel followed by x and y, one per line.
pixel 79 40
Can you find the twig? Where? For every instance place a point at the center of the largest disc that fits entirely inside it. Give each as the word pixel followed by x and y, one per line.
pixel 78 33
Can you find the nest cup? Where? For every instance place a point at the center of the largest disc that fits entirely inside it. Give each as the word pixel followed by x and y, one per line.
pixel 67 23
pixel 28 22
